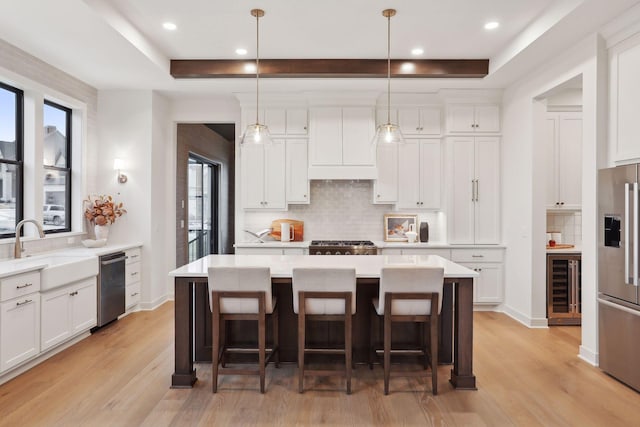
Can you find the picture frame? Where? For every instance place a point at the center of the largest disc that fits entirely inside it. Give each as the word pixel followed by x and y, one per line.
pixel 396 226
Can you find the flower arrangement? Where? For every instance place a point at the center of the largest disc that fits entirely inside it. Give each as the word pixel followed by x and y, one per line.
pixel 102 210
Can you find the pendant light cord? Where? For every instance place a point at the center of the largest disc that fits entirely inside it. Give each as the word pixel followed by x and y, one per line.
pixel 389 69
pixel 257 65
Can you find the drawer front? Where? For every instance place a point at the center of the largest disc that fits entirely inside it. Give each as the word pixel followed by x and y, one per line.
pixel 259 251
pixel 132 272
pixel 18 285
pixel 477 255
pixel 132 295
pixel 133 255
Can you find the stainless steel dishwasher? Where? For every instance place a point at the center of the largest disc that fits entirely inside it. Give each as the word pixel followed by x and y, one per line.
pixel 111 287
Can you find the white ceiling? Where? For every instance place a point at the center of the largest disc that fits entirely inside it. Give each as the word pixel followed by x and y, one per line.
pixel 121 43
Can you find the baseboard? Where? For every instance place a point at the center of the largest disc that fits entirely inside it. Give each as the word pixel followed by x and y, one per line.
pixel 589 356
pixel 149 306
pixel 42 357
pixel 524 319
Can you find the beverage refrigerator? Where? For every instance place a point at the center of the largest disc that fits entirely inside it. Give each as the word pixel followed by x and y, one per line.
pixel 618 278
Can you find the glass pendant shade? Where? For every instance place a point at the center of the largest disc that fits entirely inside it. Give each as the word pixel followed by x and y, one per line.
pixel 256 134
pixel 388 134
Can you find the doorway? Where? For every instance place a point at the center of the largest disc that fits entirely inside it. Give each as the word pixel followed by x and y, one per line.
pixel 203 182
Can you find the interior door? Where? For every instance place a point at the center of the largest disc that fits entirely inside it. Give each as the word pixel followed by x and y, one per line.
pixel 203 207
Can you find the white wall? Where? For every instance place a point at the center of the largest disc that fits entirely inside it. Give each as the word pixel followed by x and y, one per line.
pixel 523 180
pixel 135 126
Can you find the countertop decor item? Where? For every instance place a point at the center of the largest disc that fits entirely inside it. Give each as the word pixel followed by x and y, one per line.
pixel 396 226
pixel 103 210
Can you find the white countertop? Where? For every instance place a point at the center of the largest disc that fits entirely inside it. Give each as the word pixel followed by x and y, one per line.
pixel 282 265
pixel 273 244
pixel 577 249
pixel 38 261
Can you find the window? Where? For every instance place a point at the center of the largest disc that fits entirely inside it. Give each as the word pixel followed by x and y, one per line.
pixel 57 168
pixel 11 121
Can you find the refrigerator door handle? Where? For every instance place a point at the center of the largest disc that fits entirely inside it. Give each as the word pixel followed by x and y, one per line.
pixel 635 234
pixel 627 236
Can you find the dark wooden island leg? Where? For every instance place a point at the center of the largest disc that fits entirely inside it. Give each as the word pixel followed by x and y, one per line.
pixel 462 373
pixel 184 375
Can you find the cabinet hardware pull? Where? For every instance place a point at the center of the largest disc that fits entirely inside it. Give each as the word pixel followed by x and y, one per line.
pixel 134 294
pixel 477 190
pixel 477 256
pixel 134 273
pixel 74 293
pixel 26 285
pixel 27 301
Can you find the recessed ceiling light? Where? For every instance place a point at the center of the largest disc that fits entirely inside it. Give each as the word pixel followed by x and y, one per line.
pixel 169 26
pixel 491 25
pixel 250 67
pixel 417 51
pixel 241 51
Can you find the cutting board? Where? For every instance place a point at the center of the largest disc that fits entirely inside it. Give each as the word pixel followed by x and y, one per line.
pixel 298 229
pixel 561 246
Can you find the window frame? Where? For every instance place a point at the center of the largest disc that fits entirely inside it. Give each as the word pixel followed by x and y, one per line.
pixel 67 199
pixel 19 160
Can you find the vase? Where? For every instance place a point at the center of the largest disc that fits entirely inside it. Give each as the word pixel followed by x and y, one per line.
pixel 101 232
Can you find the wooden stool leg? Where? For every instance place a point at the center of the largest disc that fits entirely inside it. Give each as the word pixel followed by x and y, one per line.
pixel 387 350
pixel 434 353
pixel 215 340
pixel 223 340
pixel 348 344
pixel 262 338
pixel 301 341
pixel 276 337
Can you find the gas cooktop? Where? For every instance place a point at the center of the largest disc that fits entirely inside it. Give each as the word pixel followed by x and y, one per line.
pixel 342 243
pixel 342 247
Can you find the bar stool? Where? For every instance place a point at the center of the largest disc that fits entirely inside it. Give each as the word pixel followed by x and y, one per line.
pixel 242 293
pixel 407 294
pixel 328 295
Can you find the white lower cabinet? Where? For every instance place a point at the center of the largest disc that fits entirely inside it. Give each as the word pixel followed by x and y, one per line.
pixel 443 252
pixel 133 269
pixel 19 330
pixel 489 286
pixel 68 311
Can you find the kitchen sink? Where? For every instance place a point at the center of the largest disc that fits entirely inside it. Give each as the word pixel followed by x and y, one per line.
pixel 63 269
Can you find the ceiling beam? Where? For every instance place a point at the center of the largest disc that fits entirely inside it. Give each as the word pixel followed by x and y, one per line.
pixel 329 68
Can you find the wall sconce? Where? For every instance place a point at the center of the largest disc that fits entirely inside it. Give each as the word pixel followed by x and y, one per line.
pixel 117 165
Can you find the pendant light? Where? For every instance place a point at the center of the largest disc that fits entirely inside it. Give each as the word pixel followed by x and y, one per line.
pixel 257 133
pixel 388 133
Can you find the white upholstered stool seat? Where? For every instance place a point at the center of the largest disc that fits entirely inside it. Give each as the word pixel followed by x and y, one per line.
pixel 328 295
pixel 411 294
pixel 242 293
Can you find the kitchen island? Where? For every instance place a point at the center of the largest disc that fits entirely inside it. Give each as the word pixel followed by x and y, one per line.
pixel 191 298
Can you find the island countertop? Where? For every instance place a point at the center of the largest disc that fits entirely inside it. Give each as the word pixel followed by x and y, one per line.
pixel 282 265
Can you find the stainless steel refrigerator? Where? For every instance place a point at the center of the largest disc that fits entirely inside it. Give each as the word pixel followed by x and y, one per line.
pixel 618 278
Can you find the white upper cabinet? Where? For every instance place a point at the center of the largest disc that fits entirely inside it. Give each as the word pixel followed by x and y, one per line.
pixel 297 172
pixel 297 121
pixel 419 174
pixel 474 211
pixel 263 175
pixel 563 139
pixel 624 103
pixel 385 188
pixel 470 118
pixel 420 121
pixel 280 121
pixel 340 143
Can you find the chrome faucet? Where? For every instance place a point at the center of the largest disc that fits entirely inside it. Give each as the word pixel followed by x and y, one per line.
pixel 18 249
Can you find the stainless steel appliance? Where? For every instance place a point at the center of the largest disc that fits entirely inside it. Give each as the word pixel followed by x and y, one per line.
pixel 111 287
pixel 342 247
pixel 618 279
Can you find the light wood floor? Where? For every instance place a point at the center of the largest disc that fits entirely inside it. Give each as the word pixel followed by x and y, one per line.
pixel 120 376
